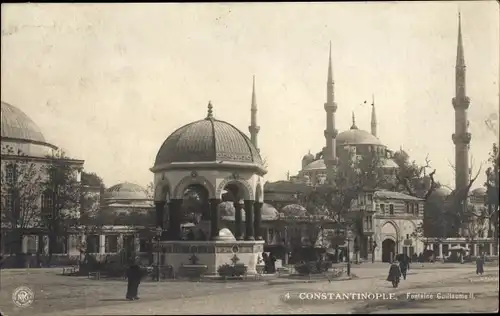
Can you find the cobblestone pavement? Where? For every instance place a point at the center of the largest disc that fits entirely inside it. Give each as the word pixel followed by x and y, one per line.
pixel 265 299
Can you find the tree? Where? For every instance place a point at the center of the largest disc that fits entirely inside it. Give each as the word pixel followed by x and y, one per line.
pixel 412 178
pixel 61 198
pixel 91 197
pixel 352 177
pixel 492 191
pixel 21 181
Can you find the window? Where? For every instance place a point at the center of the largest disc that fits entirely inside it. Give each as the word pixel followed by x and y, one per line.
pixel 143 245
pixel 10 174
pixel 408 207
pixel 407 236
pixel 382 208
pixel 368 223
pixel 391 209
pixel 47 201
pixel 413 209
pixel 93 244
pixel 370 197
pixel 417 206
pixel 111 244
pixel 9 201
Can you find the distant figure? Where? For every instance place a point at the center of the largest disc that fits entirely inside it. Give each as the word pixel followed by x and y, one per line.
pixel 265 258
pixel 421 258
pixel 480 265
pixel 272 263
pixel 134 275
pixel 190 235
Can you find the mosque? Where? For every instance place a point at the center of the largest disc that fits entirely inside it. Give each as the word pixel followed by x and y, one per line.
pixel 218 166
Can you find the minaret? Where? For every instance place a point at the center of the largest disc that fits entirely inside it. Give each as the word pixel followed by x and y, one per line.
pixel 254 128
pixel 330 155
pixel 374 118
pixel 461 137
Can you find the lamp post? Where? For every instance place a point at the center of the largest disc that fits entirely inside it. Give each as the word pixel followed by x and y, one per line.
pixel 349 237
pixel 159 231
pixel 374 245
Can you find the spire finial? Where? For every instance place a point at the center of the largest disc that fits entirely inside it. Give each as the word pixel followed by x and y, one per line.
pixel 254 98
pixel 460 46
pixel 353 121
pixel 210 113
pixel 330 71
pixel 373 99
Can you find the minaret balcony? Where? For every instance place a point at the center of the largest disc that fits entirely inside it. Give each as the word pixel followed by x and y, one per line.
pixel 331 107
pixel 461 138
pixel 461 103
pixel 331 134
pixel 254 129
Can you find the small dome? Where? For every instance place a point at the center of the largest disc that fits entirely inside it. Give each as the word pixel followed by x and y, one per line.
pixel 478 192
pixel 356 136
pixel 208 140
pixel 294 210
pixel 307 159
pixel 17 125
pixel 316 165
pixel 126 191
pixel 226 234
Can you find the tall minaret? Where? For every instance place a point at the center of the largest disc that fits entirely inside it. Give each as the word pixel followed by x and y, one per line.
pixel 374 118
pixel 254 128
pixel 329 154
pixel 461 137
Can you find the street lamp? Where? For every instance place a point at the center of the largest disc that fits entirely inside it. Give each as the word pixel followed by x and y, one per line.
pixel 159 231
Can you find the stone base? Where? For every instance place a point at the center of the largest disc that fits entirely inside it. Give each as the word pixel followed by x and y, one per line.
pixel 212 253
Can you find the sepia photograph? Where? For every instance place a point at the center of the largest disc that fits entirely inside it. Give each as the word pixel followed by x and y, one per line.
pixel 249 158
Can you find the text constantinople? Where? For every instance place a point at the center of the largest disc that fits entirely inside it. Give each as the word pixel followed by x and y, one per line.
pixel 311 296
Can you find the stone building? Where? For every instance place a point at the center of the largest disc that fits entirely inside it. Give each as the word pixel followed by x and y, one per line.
pixel 25 148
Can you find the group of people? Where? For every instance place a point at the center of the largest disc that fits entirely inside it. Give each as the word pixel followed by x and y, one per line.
pixel 269 262
pixel 399 267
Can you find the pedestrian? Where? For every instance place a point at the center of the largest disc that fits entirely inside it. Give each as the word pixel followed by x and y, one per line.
pixel 480 265
pixel 265 258
pixel 394 273
pixel 404 265
pixel 134 276
pixel 272 263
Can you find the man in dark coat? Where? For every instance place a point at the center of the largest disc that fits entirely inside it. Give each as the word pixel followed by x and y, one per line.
pixel 404 265
pixel 480 264
pixel 134 275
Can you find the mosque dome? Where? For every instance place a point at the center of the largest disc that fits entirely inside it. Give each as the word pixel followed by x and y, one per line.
pixel 316 165
pixel 294 210
pixel 126 191
pixel 208 140
pixel 17 125
pixel 356 136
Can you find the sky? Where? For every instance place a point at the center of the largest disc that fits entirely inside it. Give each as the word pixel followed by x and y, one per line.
pixel 108 83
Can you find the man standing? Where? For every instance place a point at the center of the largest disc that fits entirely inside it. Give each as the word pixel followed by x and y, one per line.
pixel 480 264
pixel 134 275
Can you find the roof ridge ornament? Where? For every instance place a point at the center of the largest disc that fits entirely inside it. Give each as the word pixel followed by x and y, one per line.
pixel 210 113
